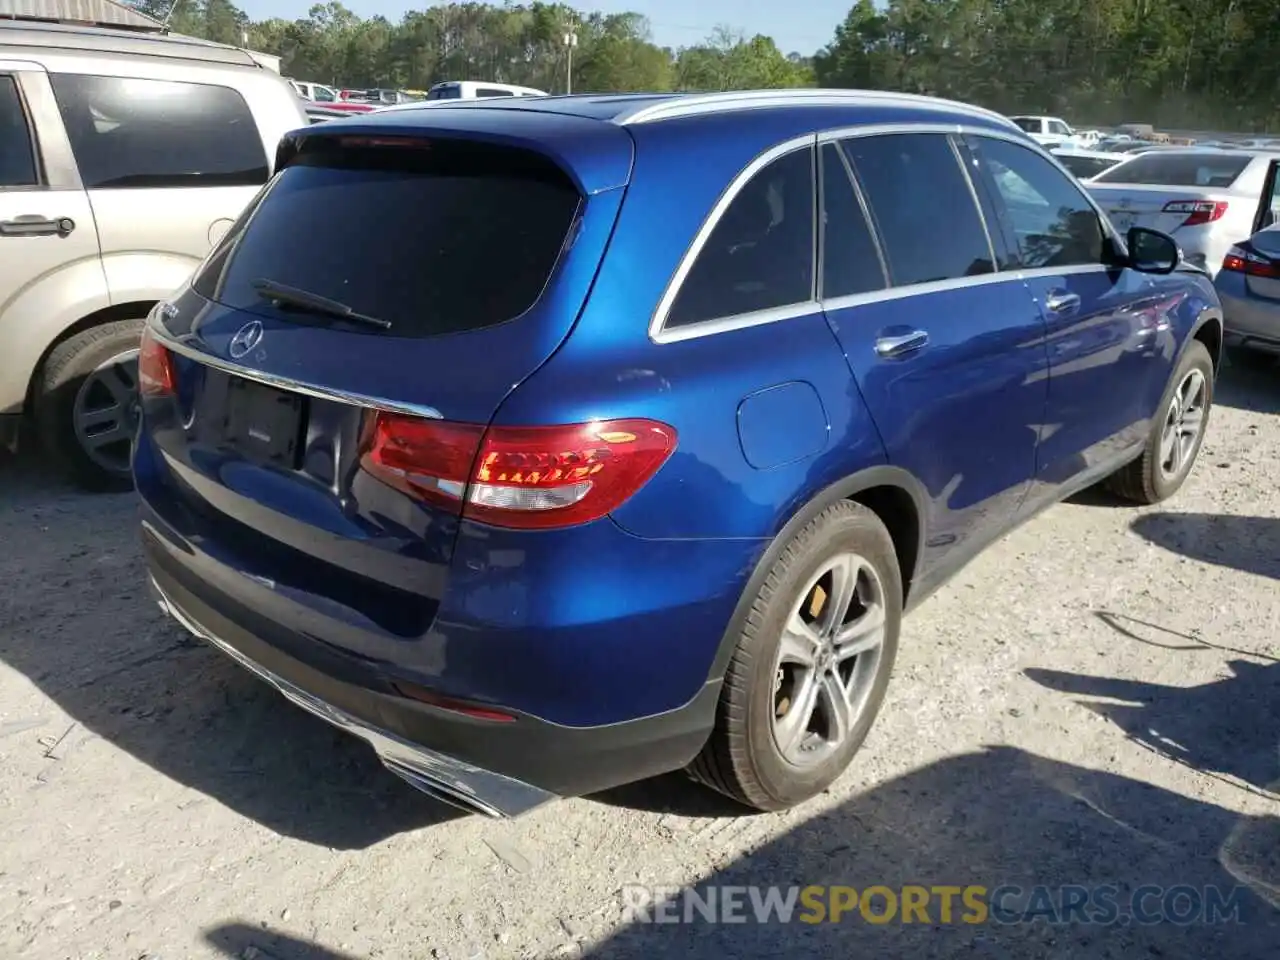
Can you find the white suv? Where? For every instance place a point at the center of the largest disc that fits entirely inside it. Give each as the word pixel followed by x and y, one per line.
pixel 123 156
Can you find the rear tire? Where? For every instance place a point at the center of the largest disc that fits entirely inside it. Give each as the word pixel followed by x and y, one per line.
pixel 824 623
pixel 86 407
pixel 1183 414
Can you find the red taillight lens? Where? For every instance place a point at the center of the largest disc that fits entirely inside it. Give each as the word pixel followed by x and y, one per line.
pixel 521 477
pixel 1244 259
pixel 155 368
pixel 1197 211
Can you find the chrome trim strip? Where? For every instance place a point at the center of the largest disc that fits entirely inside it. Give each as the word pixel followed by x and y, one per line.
pixel 918 289
pixel 690 105
pixel 438 774
pixel 739 321
pixel 730 193
pixel 178 346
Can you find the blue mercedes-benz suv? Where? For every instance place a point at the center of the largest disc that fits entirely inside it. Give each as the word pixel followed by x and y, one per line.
pixel 550 444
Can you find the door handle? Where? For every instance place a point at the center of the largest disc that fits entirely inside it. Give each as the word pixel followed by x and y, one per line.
pixel 33 225
pixel 892 347
pixel 1061 301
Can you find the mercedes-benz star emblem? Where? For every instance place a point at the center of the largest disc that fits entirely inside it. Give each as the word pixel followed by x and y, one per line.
pixel 245 339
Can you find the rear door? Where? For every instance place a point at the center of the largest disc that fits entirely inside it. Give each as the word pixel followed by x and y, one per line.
pixel 45 221
pixel 1106 352
pixel 948 353
pixel 168 167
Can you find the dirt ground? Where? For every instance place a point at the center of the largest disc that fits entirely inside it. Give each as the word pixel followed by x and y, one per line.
pixel 1096 700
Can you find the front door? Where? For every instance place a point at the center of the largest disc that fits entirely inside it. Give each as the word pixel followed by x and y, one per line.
pixel 948 353
pixel 1110 348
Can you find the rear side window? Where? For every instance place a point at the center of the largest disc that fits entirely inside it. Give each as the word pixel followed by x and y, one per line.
pixel 451 92
pixel 1055 224
pixel 17 158
pixel 759 255
pixel 1178 170
pixel 432 237
pixel 492 92
pixel 850 261
pixel 928 221
pixel 156 133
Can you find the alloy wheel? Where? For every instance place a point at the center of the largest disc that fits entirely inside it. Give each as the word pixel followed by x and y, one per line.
pixel 106 412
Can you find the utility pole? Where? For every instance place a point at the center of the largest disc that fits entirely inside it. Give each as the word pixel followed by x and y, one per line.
pixel 570 41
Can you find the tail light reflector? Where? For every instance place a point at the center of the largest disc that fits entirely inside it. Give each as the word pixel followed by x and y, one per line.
pixel 156 377
pixel 1197 211
pixel 520 477
pixel 1242 258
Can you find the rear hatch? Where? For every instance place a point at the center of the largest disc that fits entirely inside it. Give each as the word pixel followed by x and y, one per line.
pixel 375 304
pixel 1169 191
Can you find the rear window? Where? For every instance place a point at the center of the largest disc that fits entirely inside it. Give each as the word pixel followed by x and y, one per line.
pixel 431 237
pixel 1029 124
pixel 1178 170
pixel 1085 167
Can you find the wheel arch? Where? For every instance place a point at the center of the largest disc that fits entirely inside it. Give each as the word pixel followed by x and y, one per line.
pixel 893 494
pixel 1208 329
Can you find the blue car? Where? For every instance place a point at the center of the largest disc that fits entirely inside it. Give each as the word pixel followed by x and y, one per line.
pixel 1249 287
pixel 552 444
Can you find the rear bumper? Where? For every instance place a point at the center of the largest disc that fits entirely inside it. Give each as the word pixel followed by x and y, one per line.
pixel 495 767
pixel 1247 320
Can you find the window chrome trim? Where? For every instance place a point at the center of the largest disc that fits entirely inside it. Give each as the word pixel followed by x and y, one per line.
pixel 918 289
pixel 181 347
pixel 657 322
pixel 659 334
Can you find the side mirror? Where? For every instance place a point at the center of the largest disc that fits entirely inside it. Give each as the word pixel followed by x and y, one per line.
pixel 1152 251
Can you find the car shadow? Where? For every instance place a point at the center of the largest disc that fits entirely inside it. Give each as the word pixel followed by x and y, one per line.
pixel 245 941
pixel 1249 544
pixel 1245 387
pixel 1004 820
pixel 84 631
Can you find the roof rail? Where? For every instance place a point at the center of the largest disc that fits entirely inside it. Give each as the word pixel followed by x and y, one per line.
pixel 694 104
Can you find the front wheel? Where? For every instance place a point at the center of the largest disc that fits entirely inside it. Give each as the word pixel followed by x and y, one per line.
pixel 1177 432
pixel 86 404
pixel 810 669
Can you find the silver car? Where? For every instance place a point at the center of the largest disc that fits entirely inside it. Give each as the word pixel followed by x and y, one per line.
pixel 123 156
pixel 1249 287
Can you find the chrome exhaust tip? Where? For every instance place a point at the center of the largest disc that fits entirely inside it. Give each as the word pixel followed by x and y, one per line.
pixel 439 790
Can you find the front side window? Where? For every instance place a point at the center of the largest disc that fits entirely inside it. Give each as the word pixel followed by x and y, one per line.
pixel 923 206
pixel 1055 224
pixel 448 92
pixel 492 92
pixel 156 133
pixel 325 95
pixel 759 255
pixel 1058 128
pixel 17 156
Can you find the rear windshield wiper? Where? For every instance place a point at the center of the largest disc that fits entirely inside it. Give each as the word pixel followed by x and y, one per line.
pixel 287 296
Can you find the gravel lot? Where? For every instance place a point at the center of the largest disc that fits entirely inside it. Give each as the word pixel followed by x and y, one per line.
pixel 1095 700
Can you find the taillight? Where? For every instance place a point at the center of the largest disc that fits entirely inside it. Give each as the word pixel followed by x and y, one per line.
pixel 1244 259
pixel 1197 211
pixel 156 377
pixel 522 477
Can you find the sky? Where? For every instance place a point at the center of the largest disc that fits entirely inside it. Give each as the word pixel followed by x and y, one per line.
pixel 798 25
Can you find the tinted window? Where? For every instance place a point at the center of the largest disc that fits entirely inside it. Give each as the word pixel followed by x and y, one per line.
pixel 1054 223
pixel 1029 124
pixel 1178 169
pixel 923 206
pixel 492 92
pixel 450 92
pixel 17 159
pixel 450 238
pixel 1085 167
pixel 153 133
pixel 850 260
pixel 760 253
